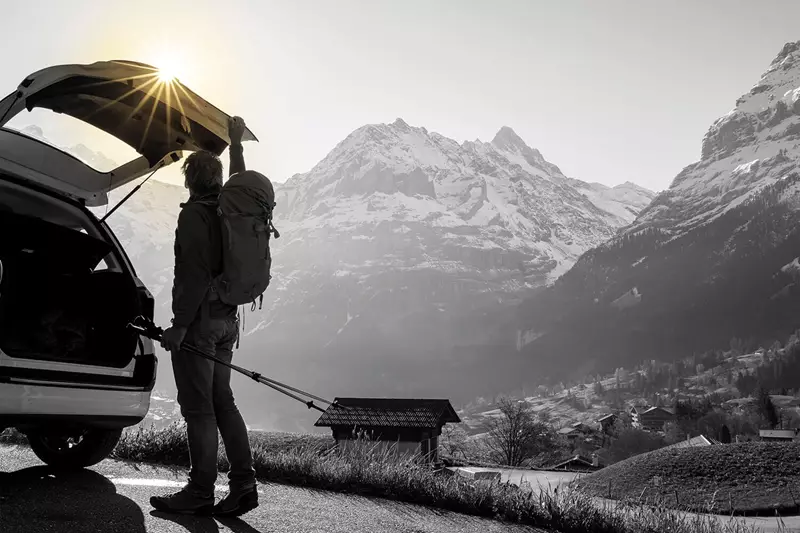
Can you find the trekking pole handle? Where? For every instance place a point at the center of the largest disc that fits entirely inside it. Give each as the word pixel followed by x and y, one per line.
pixel 147 328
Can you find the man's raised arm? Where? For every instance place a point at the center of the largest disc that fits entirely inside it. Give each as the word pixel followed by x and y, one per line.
pixel 236 128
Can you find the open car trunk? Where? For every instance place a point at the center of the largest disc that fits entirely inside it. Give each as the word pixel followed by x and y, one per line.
pixel 55 304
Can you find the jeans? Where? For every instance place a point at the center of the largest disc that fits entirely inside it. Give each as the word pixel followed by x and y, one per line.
pixel 206 401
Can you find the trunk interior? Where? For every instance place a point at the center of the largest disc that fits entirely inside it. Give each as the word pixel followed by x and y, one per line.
pixel 58 300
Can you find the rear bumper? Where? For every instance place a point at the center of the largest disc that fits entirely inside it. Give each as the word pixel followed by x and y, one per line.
pixel 36 405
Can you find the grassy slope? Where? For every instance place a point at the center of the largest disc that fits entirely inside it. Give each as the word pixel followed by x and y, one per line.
pixel 748 477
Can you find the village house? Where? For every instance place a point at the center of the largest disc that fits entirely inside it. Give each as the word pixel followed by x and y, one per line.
pixel 652 418
pixel 606 422
pixel 578 463
pixel 575 431
pixel 404 426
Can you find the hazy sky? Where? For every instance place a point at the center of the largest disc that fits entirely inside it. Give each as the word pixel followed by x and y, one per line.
pixel 610 91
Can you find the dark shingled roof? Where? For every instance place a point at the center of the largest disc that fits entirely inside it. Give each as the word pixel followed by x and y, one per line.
pixel 388 412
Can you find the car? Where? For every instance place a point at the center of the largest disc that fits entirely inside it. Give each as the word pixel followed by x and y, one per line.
pixel 73 375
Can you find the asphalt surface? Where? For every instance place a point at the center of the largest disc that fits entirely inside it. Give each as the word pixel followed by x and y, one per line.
pixel 114 497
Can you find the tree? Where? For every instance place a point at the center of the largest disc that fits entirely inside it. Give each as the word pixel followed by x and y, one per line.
pixel 454 440
pixel 712 423
pixel 630 442
pixel 598 389
pixel 515 435
pixel 725 435
pixel 766 408
pixel 673 433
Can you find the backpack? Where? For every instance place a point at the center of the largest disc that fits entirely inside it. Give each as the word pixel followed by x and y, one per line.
pixel 245 207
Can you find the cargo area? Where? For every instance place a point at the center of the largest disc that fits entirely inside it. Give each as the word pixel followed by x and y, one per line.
pixel 59 300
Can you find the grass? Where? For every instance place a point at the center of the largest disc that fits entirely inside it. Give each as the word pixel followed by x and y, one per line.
pixel 752 478
pixel 362 469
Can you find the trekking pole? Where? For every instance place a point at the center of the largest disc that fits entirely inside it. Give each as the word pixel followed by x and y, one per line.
pixel 151 331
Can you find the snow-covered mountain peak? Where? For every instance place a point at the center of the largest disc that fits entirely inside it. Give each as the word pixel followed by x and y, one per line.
pixel 749 148
pixel 778 86
pixel 788 48
pixel 507 139
pixel 501 196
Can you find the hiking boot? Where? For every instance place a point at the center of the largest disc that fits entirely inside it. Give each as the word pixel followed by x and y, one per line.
pixel 183 502
pixel 237 502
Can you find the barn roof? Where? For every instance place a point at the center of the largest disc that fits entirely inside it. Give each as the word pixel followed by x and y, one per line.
pixel 576 460
pixel 388 412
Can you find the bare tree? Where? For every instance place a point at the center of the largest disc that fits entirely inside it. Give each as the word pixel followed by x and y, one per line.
pixel 454 440
pixel 516 435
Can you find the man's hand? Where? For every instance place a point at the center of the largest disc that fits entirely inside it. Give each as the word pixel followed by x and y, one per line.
pixel 172 338
pixel 236 127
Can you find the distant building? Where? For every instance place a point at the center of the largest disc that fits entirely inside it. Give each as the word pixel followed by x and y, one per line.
pixel 578 429
pixel 408 426
pixel 778 434
pixel 607 422
pixel 652 418
pixel 578 463
pixel 694 442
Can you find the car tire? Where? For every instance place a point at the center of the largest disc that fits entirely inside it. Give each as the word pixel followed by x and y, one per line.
pixel 74 450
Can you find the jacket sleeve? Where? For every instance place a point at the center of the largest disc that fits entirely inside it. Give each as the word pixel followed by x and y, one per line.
pixel 192 266
pixel 236 152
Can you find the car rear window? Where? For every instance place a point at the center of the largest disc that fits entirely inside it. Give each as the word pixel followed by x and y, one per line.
pixel 97 149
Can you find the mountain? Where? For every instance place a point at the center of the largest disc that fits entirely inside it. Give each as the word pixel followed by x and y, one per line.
pixel 397 249
pixel 710 259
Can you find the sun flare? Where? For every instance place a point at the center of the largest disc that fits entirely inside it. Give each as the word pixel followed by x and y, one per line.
pixel 168 70
pixel 165 75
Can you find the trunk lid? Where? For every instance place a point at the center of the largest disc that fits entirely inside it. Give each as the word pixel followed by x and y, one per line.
pixel 158 118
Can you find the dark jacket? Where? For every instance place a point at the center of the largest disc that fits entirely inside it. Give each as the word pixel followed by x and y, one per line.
pixel 198 256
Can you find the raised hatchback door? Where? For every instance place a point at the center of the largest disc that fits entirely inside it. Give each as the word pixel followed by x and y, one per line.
pixel 129 100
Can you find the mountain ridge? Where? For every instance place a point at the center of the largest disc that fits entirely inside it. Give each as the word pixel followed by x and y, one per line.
pixel 706 259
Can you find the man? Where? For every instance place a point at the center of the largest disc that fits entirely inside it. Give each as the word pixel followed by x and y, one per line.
pixel 204 391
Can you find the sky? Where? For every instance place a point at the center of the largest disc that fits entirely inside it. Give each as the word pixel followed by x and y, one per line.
pixel 609 91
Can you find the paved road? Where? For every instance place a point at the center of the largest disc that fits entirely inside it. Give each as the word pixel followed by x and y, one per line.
pixel 113 497
pixel 538 479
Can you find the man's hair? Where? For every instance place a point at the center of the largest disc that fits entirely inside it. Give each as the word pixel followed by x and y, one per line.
pixel 203 172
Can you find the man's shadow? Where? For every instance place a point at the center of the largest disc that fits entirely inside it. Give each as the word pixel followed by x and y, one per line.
pixel 40 498
pixel 43 499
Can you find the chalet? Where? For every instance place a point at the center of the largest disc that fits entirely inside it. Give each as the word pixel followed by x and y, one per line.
pixel 408 426
pixel 578 429
pixel 607 422
pixel 652 418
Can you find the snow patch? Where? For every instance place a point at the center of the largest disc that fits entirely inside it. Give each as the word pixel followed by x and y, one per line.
pixel 744 168
pixel 629 299
pixel 792 266
pixel 526 337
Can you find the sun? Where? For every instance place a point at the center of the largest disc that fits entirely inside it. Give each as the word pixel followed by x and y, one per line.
pixel 168 69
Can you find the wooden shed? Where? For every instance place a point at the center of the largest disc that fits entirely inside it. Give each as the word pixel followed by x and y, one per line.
pixel 408 425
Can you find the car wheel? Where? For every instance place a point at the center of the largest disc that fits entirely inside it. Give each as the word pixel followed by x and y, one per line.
pixel 77 449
